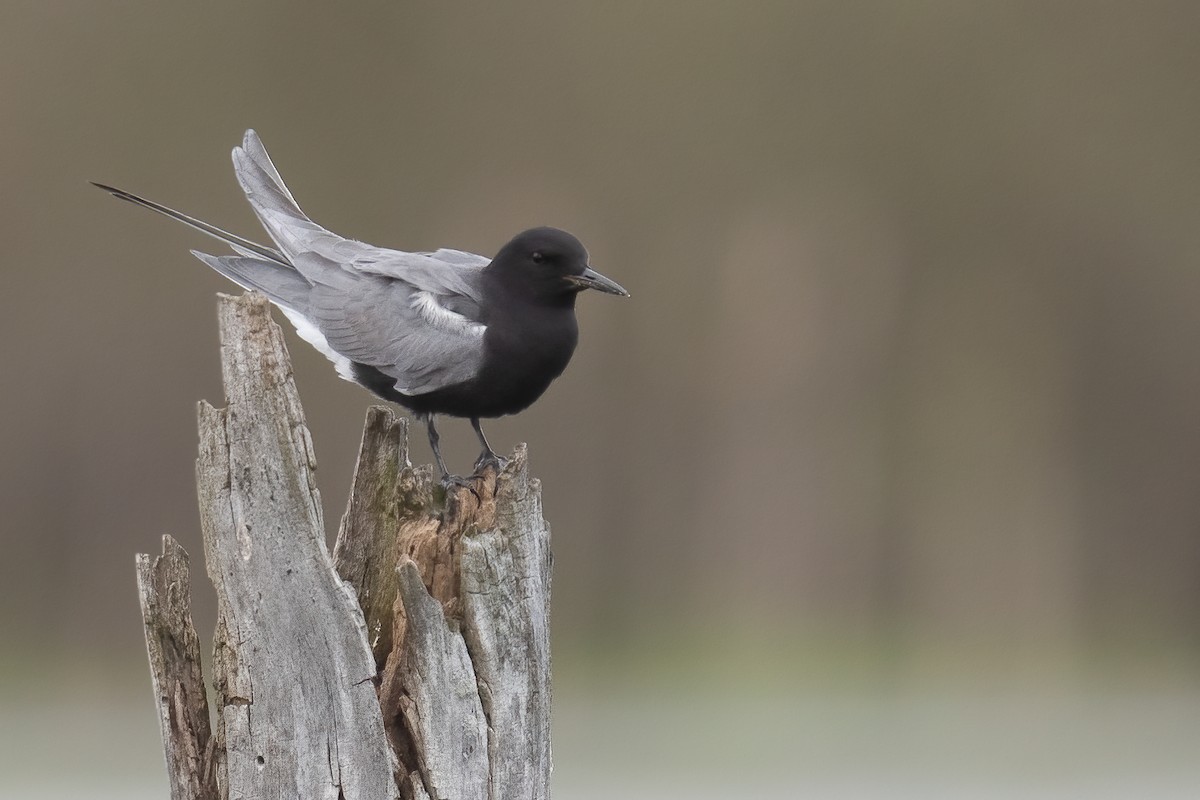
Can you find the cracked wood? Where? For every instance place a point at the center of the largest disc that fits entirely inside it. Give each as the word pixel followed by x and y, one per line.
pixel 463 635
pixel 298 712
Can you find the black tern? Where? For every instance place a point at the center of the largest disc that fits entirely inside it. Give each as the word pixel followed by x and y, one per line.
pixel 446 332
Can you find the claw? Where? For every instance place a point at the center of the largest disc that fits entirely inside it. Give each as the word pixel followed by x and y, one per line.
pixel 449 480
pixel 489 459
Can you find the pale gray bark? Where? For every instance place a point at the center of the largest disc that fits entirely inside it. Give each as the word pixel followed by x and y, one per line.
pixel 164 588
pixel 453 628
pixel 506 622
pixel 294 675
pixel 365 553
pixel 440 704
pixel 465 684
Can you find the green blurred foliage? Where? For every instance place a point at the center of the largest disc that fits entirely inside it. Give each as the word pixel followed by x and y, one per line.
pixel 910 367
pixel 912 338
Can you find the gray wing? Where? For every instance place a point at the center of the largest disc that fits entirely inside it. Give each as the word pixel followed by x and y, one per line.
pixel 283 286
pixel 413 316
pixel 315 251
pixel 406 333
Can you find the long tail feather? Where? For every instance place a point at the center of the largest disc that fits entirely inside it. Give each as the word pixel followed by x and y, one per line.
pixel 237 242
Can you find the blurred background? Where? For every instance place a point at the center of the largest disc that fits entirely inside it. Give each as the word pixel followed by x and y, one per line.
pixel 885 482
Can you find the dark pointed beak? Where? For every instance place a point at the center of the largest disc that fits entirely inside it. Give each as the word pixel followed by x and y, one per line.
pixel 590 279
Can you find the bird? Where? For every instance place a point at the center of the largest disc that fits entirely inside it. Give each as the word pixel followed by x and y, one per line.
pixel 446 332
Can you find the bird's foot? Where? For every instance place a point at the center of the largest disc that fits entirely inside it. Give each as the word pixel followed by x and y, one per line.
pixel 449 480
pixel 489 459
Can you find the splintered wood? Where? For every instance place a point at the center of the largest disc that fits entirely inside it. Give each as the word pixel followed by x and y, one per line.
pixel 164 587
pixel 414 663
pixel 461 632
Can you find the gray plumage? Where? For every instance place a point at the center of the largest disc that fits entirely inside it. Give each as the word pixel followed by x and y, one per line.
pixel 412 316
pixel 446 332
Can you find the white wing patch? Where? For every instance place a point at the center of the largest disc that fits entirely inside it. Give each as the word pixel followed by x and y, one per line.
pixel 437 315
pixel 311 334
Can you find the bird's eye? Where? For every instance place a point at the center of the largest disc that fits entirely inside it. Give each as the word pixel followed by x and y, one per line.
pixel 537 257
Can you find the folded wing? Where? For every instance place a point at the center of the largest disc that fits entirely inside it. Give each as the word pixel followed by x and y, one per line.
pixel 407 334
pixel 413 316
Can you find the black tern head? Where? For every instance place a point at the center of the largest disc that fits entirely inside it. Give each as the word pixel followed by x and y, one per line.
pixel 550 264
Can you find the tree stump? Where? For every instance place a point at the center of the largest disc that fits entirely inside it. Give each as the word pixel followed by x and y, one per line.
pixel 413 663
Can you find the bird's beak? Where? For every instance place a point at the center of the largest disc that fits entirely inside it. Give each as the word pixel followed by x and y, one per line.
pixel 590 279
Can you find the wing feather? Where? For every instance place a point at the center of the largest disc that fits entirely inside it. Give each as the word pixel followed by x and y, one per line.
pixel 402 332
pixel 413 316
pixel 416 317
pixel 315 251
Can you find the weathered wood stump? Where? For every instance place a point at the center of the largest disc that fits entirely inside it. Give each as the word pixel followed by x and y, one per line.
pixel 413 663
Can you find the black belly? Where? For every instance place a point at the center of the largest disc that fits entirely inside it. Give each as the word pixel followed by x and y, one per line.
pixel 494 393
pixel 518 366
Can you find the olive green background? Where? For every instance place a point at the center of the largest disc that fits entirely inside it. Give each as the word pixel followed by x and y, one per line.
pixel 885 481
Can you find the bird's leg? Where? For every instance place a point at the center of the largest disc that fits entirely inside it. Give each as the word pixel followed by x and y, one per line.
pixel 447 478
pixel 488 456
pixel 434 439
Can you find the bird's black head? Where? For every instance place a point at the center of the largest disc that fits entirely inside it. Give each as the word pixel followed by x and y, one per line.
pixel 550 265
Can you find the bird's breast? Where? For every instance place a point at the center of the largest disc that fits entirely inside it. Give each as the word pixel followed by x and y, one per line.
pixel 522 359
